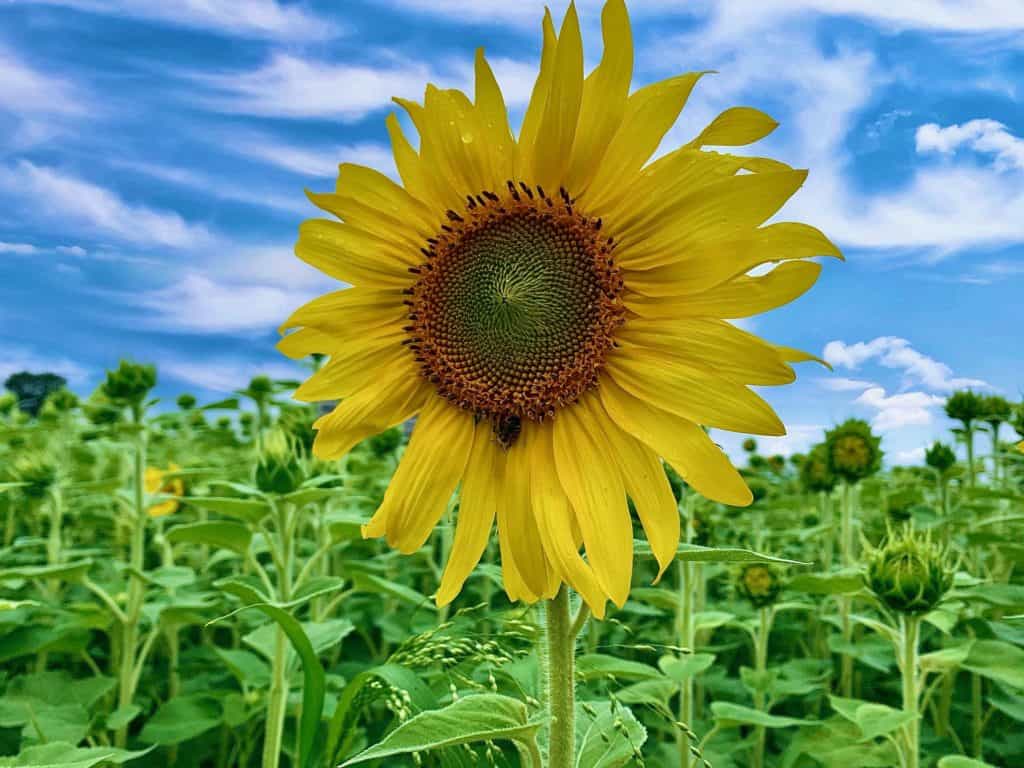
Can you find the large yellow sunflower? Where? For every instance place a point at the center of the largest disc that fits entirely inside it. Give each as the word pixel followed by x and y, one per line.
pixel 555 309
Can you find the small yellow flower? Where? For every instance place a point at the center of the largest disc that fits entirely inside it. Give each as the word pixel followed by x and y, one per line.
pixel 155 483
pixel 1020 446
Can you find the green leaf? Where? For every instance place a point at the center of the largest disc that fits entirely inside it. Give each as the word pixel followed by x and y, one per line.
pixel 693 553
pixel 353 699
pixel 249 668
pixel 65 571
pixel 733 715
pixel 483 717
pixel 997 660
pixel 368 582
pixel 609 739
pixel 122 717
pixel 314 686
pixel 842 583
pixel 596 666
pixel 182 718
pixel 219 533
pixel 60 754
pixel 682 668
pixel 873 720
pixel 959 761
pixel 249 510
pixel 705 620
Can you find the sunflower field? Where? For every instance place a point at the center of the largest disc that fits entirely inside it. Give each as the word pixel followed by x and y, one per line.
pixel 494 525
pixel 189 586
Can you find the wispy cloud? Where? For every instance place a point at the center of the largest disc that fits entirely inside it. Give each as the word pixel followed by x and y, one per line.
pixel 893 352
pixel 15 357
pixel 843 384
pixel 291 86
pixel 225 375
pixel 984 136
pixel 68 201
pixel 30 91
pixel 18 249
pixel 258 18
pixel 314 161
pixel 199 304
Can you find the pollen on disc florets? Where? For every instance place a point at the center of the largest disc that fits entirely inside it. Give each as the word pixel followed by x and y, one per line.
pixel 515 307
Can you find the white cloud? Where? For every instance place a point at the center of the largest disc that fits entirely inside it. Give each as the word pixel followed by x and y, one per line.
pixel 321 162
pixel 290 86
pixel 71 250
pixel 15 358
pixel 258 18
pixel 199 304
pixel 893 352
pixel 984 136
pixel 902 410
pixel 65 199
pixel 911 456
pixel 18 249
pixel 29 91
pixel 216 187
pixel 843 384
pixel 225 375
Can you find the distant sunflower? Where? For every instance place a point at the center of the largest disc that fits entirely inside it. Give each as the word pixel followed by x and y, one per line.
pixel 157 482
pixel 554 308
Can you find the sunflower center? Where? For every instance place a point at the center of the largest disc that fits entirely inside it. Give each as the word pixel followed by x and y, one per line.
pixel 515 307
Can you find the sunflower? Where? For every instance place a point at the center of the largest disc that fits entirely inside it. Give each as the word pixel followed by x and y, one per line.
pixel 554 308
pixel 156 482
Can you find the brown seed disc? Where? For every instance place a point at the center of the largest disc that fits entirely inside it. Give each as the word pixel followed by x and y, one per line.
pixel 516 306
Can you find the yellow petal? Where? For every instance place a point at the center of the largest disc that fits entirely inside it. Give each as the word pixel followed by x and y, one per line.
pixel 791 355
pixel 605 92
pixel 741 297
pixel 680 442
pixel 736 127
pixel 733 352
pixel 353 256
pixel 517 524
pixel 649 114
pixel 694 393
pixel 426 476
pixel 717 211
pixel 555 521
pixel 706 265
pixel 593 484
pixel 367 413
pixel 352 311
pixel 490 105
pixel 409 165
pixel 357 363
pixel 306 341
pixel 372 202
pixel 538 100
pixel 477 506
pixel 437 174
pixel 648 487
pixel 561 112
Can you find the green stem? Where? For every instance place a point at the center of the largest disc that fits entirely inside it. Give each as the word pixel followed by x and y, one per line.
pixel 685 632
pixel 561 644
pixel 764 629
pixel 977 723
pixel 969 439
pixel 136 588
pixel 276 703
pixel 846 552
pixel 909 632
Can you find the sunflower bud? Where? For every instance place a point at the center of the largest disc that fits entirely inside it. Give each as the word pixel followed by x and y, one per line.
pixel 129 384
pixel 38 474
pixel 900 504
pixel 852 451
pixel 186 402
pixel 279 469
pixel 815 473
pixel 940 457
pixel 760 584
pixel 909 573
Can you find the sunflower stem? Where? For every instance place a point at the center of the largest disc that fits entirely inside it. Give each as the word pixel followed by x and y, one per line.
pixel 909 631
pixel 561 646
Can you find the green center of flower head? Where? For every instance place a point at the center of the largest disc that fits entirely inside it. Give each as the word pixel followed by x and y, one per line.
pixel 515 307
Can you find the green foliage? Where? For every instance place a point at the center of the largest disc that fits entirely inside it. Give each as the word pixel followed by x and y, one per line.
pixel 909 573
pixel 129 384
pixel 940 457
pixel 966 407
pixel 32 389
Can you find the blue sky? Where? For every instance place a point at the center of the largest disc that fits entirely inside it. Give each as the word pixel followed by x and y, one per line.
pixel 152 167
